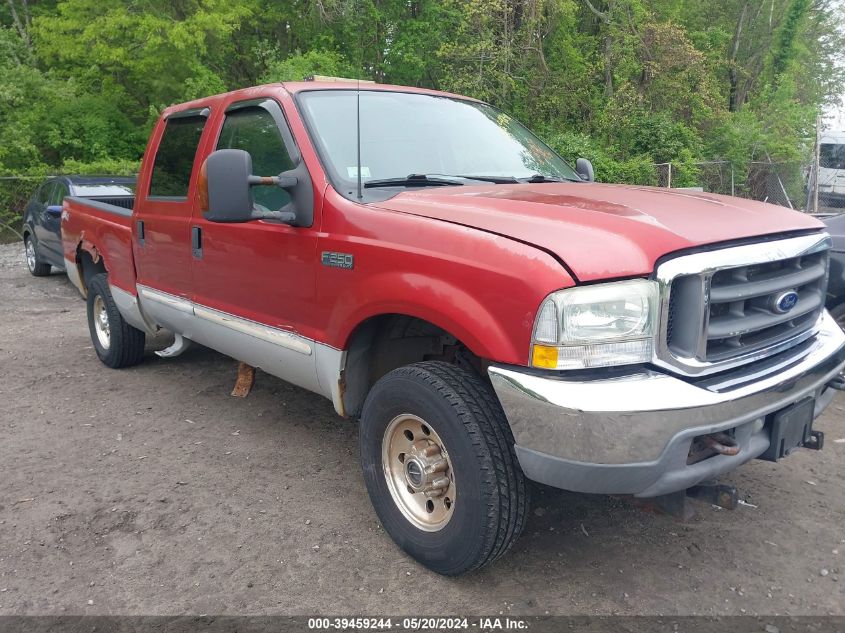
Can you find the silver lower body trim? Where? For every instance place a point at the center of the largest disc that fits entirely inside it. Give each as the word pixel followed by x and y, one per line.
pixel 296 359
pixel 72 271
pixel 272 335
pixel 166 299
pixel 130 310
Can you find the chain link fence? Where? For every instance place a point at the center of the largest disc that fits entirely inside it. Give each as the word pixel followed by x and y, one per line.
pixel 784 184
pixel 779 183
pixel 15 192
pixel 717 177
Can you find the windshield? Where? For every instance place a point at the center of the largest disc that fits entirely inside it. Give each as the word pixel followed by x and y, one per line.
pixel 405 133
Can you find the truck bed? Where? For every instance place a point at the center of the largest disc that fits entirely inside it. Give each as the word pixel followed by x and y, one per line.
pixel 103 231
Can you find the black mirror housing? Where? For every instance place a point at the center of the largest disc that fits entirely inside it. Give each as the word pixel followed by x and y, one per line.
pixel 584 168
pixel 229 181
pixel 228 173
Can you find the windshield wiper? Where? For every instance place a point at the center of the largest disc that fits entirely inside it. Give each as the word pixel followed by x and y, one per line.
pixel 413 180
pixel 499 180
pixel 438 180
pixel 543 178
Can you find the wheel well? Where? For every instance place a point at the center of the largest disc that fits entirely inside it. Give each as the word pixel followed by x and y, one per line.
pixel 88 267
pixel 383 343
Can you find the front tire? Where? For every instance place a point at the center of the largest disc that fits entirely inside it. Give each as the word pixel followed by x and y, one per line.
pixel 117 343
pixel 36 267
pixel 438 460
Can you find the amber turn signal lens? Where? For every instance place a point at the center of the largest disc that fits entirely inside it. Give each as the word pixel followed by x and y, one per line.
pixel 544 356
pixel 202 188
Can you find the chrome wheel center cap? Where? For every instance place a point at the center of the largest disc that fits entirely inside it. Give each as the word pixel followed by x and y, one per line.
pixel 426 469
pixel 414 474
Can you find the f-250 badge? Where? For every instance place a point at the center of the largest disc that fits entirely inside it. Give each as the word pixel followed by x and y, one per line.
pixel 338 260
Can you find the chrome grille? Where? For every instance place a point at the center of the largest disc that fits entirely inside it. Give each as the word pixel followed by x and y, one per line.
pixel 720 308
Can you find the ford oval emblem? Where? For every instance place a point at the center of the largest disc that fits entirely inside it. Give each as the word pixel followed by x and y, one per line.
pixel 785 301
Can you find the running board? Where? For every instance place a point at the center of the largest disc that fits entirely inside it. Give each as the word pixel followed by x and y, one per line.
pixel 179 345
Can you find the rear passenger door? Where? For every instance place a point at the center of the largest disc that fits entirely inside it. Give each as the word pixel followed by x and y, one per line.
pixel 161 237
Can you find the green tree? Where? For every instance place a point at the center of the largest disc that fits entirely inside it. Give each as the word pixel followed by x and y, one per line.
pixel 628 82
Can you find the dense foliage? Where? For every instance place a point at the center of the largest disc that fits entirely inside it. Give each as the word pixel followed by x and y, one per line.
pixel 626 83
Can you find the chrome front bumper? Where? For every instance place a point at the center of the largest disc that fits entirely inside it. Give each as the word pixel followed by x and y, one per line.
pixel 631 433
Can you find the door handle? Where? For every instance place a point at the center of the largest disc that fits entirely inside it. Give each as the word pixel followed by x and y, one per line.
pixel 140 226
pixel 196 242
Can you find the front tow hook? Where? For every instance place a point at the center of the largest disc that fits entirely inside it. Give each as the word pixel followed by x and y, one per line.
pixel 815 441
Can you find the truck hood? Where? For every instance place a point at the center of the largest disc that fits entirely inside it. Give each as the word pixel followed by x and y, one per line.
pixel 602 231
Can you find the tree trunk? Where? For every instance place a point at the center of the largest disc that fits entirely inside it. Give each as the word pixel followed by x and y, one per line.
pixel 733 76
pixel 608 71
pixel 607 44
pixel 20 25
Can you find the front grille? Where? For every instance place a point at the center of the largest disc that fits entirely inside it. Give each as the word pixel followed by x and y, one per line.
pixel 742 304
pixel 741 310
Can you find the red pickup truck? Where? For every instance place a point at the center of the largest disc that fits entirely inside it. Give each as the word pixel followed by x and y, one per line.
pixel 486 312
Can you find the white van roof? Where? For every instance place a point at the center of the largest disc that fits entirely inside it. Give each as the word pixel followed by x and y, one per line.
pixel 832 138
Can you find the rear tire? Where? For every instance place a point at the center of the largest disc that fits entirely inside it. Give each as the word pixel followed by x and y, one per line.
pixel 473 508
pixel 36 267
pixel 117 343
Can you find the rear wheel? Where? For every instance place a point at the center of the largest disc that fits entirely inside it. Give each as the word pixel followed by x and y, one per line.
pixel 117 343
pixel 33 262
pixel 438 461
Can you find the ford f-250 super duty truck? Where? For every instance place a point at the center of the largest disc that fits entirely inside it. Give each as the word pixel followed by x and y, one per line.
pixel 487 313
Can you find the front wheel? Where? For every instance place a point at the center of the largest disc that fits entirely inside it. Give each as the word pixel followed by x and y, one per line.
pixel 438 461
pixel 117 343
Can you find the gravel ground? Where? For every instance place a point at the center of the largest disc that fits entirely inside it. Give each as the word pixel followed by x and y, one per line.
pixel 152 491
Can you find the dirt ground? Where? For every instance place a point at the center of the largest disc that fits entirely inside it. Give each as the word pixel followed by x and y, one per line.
pixel 152 491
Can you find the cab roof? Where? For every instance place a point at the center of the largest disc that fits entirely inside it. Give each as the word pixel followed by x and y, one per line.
pixel 295 87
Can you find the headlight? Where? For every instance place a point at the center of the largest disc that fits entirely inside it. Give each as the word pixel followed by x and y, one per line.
pixel 596 326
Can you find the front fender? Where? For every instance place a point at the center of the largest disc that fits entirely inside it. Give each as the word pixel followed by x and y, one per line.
pixel 482 288
pixel 437 301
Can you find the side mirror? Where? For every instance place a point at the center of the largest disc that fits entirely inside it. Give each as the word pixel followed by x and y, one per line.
pixel 226 182
pixel 55 209
pixel 584 168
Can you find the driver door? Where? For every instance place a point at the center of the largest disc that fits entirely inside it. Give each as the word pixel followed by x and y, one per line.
pixel 261 272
